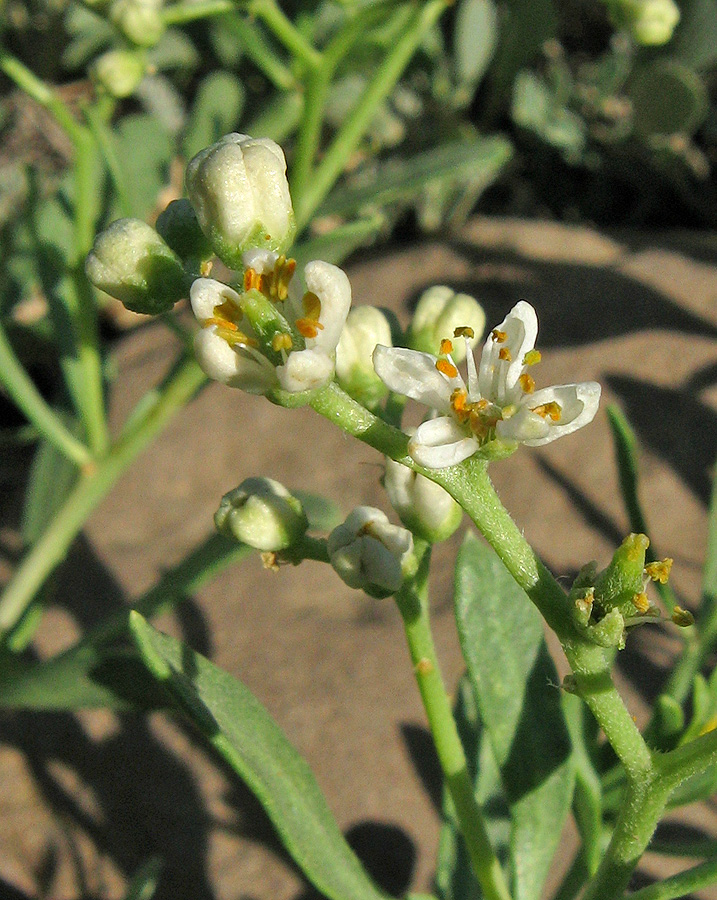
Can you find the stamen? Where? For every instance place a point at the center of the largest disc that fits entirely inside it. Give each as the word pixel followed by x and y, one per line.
pixel 308 328
pixel 459 399
pixel 550 410
pixel 228 311
pixel 235 338
pixel 642 604
pixel 527 383
pixel 532 358
pixel 281 341
pixel 659 571
pixel 206 267
pixel 500 337
pixel 481 404
pixel 446 347
pixel 446 368
pixel 504 353
pixel 682 617
pixel 464 331
pixel 250 279
pixel 312 306
pixel 220 322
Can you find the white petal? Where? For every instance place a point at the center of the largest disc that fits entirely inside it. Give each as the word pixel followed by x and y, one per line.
pixel 414 374
pixel 578 403
pixel 441 442
pixel 305 370
pixel 266 169
pixel 333 288
pixel 498 378
pixel 234 366
pixel 206 293
pixel 261 261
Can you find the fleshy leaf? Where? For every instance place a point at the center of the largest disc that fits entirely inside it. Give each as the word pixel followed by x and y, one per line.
pixel 243 733
pixel 514 681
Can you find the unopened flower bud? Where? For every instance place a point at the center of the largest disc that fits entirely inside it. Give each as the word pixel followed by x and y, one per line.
pixel 140 21
pixel 623 580
pixel 179 227
pixel 365 327
pixel 369 553
pixel 262 514
pixel 119 72
pixel 423 506
pixel 440 311
pixel 239 190
pixel 131 262
pixel 650 22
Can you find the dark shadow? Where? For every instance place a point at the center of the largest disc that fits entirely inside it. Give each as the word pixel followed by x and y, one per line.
pixel 679 834
pixel 675 426
pixel 9 892
pixel 638 665
pixel 422 752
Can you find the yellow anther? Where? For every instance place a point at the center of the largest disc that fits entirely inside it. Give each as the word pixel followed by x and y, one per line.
pixel 464 331
pixel 550 410
pixel 481 404
pixel 308 328
pixel 228 311
pixel 459 399
pixel 500 337
pixel 231 334
pixel 281 341
pixel 251 279
pixel 532 358
pixel 446 347
pixel 446 368
pixel 660 570
pixel 642 604
pixel 312 306
pixel 221 322
pixel 504 354
pixel 206 267
pixel 527 383
pixel 682 617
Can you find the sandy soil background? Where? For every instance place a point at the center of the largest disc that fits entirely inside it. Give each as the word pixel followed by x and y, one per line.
pixel 85 799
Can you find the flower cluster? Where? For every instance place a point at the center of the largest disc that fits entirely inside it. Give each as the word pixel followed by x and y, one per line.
pixel 497 403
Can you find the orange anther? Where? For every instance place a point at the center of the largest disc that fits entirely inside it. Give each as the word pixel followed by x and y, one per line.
pixel 446 368
pixel 308 328
pixel 464 331
pixel 527 383
pixel 446 347
pixel 504 354
pixel 500 337
pixel 550 410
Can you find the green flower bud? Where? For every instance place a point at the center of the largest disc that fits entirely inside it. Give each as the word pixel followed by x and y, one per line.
pixel 140 21
pixel 440 311
pixel 239 190
pixel 131 262
pixel 423 506
pixel 622 583
pixel 179 227
pixel 119 72
pixel 650 22
pixel 370 554
pixel 262 514
pixel 366 326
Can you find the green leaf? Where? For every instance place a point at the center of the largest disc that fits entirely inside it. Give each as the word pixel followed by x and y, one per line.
pixel 475 38
pixel 145 882
pixel 515 685
pixel 144 149
pixel 587 800
pixel 681 885
pixel 472 161
pixel 216 111
pixel 243 733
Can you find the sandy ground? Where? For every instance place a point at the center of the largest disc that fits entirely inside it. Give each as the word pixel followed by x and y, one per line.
pixel 85 799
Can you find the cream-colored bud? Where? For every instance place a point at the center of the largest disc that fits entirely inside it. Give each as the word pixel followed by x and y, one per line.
pixel 423 506
pixel 366 326
pixel 440 311
pixel 140 21
pixel 369 553
pixel 262 514
pixel 239 191
pixel 119 72
pixel 131 262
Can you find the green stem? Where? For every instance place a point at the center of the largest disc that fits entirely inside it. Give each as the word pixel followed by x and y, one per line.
pixel 688 759
pixel 25 395
pixel 359 120
pixel 412 602
pixel 52 547
pixel 284 30
pixel 262 54
pixel 181 13
pixel 681 885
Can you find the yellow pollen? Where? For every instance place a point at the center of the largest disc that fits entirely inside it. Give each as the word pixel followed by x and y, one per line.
pixel 532 358
pixel 308 328
pixel 527 383
pixel 504 353
pixel 642 604
pixel 446 347
pixel 206 267
pixel 481 404
pixel 464 331
pixel 550 410
pixel 446 368
pixel 459 399
pixel 659 571
pixel 281 341
pixel 500 337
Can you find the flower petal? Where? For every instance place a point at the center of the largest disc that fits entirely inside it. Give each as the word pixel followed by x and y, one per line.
pixel 205 294
pixel 305 370
pixel 239 367
pixel 333 288
pixel 441 442
pixel 414 374
pixel 578 405
pixel 498 377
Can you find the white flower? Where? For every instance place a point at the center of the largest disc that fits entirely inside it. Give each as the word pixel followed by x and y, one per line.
pixel 369 553
pixel 498 402
pixel 423 506
pixel 228 349
pixel 239 191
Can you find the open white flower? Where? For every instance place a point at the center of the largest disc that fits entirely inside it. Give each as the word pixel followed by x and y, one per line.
pixel 229 351
pixel 498 401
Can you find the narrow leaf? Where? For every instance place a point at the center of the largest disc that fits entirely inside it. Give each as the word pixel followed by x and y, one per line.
pixel 515 686
pixel 243 733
